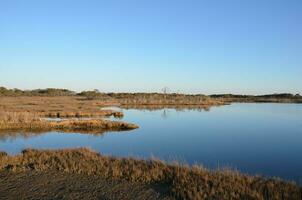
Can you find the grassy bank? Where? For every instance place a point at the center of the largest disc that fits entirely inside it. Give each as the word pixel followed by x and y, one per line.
pixel 10 121
pixel 270 98
pixel 73 106
pixel 173 99
pixel 84 100
pixel 57 106
pixel 184 182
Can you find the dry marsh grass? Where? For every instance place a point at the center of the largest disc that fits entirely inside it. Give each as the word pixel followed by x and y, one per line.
pixel 147 98
pixel 120 98
pixel 18 117
pixel 59 106
pixel 78 106
pixel 192 183
pixel 164 99
pixel 270 98
pixel 31 122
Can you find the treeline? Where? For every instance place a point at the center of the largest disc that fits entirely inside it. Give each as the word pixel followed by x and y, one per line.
pixel 161 99
pixel 37 92
pixel 282 96
pixel 50 92
pixel 154 95
pixel 146 98
pixel 273 98
pixel 94 94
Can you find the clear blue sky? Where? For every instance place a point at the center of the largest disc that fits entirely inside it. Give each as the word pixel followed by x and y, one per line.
pixel 193 46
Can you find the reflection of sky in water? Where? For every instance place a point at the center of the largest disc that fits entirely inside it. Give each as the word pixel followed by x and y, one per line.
pixel 254 138
pixel 115 108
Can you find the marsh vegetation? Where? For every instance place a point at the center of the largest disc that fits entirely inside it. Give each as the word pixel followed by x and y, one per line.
pixel 31 122
pixel 184 182
pixel 24 112
pixel 161 98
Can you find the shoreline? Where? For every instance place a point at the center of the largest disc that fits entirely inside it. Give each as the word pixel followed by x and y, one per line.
pixel 183 182
pixel 24 121
pixel 144 98
pixel 86 126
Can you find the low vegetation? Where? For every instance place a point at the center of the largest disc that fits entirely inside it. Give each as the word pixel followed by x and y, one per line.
pixel 26 110
pixel 31 122
pixel 57 107
pixel 62 103
pixel 163 98
pixel 38 92
pixel 95 94
pixel 270 98
pixel 18 117
pixel 184 182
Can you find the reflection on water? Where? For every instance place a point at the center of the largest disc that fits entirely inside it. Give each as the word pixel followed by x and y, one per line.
pixel 10 136
pixel 114 108
pixel 164 114
pixel 52 119
pixel 253 138
pixel 165 107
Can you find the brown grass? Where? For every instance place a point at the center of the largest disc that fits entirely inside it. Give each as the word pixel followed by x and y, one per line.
pixel 62 107
pixel 164 99
pixel 120 98
pixel 192 183
pixel 79 107
pixel 31 122
pixel 270 98
pixel 18 117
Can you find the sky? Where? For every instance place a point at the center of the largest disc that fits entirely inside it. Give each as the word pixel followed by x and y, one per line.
pixel 189 46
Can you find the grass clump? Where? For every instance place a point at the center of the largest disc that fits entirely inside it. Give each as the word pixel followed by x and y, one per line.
pixel 30 122
pixel 192 183
pixel 18 117
pixel 164 99
pixel 57 106
pixel 2 154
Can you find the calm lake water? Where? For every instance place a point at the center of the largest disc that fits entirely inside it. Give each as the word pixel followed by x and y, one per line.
pixel 261 139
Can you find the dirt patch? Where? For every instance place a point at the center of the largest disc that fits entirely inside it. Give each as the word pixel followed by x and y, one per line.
pixel 60 185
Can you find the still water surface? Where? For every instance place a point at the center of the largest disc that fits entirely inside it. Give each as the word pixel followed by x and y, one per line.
pixel 261 139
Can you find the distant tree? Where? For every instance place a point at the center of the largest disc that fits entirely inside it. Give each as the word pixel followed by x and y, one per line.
pixel 94 94
pixel 3 90
pixel 166 90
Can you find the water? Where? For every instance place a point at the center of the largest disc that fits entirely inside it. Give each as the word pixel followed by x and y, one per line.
pixel 263 139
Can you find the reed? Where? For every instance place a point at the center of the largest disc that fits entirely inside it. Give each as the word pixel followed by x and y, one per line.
pixel 192 183
pixel 31 122
pixel 18 117
pixel 164 99
pixel 59 106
